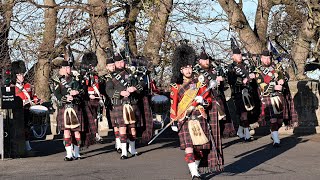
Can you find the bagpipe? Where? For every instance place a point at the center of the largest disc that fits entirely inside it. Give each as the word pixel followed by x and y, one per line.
pixel 138 70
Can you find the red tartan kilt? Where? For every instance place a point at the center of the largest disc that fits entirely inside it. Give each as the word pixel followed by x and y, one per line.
pixel 60 119
pixel 185 137
pixel 116 115
pixel 268 110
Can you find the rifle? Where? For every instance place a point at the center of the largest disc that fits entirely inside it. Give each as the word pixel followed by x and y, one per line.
pixel 212 85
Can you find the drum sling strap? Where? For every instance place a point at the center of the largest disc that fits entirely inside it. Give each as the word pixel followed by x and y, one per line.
pixel 21 88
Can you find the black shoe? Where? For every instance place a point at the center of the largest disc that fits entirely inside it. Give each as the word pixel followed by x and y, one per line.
pixel 76 158
pixel 196 178
pixel 118 150
pixel 248 140
pixel 123 157
pixel 68 159
pixel 276 145
pixel 136 154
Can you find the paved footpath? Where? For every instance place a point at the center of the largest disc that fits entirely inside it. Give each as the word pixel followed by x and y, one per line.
pixel 297 158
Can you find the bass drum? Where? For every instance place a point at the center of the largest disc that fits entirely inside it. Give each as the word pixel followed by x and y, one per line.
pixel 39 120
pixel 160 104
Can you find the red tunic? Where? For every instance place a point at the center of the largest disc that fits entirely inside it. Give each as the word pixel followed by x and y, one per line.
pixel 22 95
pixel 177 93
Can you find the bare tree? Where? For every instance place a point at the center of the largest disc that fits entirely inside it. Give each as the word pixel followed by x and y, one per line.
pixel 100 30
pixel 46 50
pixel 6 10
pixel 309 28
pixel 157 28
pixel 255 39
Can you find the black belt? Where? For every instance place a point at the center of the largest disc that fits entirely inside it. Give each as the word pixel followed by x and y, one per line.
pixel 118 102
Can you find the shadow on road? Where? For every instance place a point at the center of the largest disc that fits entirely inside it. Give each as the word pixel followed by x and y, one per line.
pixel 255 157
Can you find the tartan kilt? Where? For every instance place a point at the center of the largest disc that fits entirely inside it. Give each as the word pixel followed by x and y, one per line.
pixel 60 119
pixel 185 137
pixel 116 115
pixel 267 110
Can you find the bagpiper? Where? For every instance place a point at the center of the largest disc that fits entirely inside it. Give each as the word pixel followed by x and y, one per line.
pixel 124 90
pixel 270 79
pixel 238 79
pixel 94 100
pixel 212 71
pixel 111 67
pixel 70 117
pixel 198 133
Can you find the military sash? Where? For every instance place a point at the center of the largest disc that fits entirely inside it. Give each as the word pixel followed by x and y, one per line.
pixel 186 101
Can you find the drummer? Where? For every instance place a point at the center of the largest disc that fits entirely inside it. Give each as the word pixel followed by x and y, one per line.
pixel 24 91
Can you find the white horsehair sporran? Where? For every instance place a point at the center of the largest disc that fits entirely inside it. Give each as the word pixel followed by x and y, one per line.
pixel 128 114
pixel 276 104
pixel 70 118
pixel 246 98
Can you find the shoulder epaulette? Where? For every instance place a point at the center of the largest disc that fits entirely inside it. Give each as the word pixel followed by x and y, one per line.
pixel 202 84
pixel 106 76
pixel 174 85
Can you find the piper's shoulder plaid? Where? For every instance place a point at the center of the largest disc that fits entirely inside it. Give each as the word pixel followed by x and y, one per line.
pixel 91 123
pixel 215 157
pixel 289 111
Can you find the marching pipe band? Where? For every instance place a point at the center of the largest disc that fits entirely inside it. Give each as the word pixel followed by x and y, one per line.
pixel 199 119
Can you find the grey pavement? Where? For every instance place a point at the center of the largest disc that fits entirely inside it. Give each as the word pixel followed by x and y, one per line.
pixel 297 158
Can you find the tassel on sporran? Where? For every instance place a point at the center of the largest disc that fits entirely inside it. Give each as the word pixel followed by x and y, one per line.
pixel 196 132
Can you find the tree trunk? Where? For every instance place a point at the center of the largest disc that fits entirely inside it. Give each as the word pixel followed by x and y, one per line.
pixel 261 20
pixel 157 30
pixel 240 25
pixel 130 30
pixel 101 36
pixel 46 50
pixel 5 19
pixel 301 46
